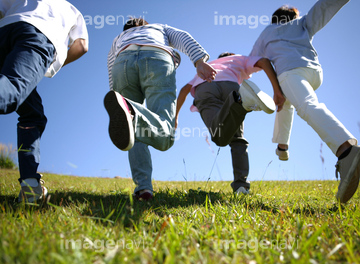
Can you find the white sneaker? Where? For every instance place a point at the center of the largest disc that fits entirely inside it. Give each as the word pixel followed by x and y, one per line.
pixel 242 190
pixel 32 194
pixel 253 99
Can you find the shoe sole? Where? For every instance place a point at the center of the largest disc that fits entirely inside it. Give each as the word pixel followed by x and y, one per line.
pixel 350 186
pixel 266 102
pixel 121 130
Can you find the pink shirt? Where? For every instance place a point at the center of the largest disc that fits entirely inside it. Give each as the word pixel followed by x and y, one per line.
pixel 234 68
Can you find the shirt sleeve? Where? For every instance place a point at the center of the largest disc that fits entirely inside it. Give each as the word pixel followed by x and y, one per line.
pixel 321 13
pixel 110 62
pixel 184 42
pixel 79 30
pixel 257 49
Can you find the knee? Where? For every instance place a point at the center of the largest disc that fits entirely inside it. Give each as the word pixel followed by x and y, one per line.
pixel 168 143
pixel 220 142
pixel 309 108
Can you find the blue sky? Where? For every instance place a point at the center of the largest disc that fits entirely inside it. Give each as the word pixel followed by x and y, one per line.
pixel 76 140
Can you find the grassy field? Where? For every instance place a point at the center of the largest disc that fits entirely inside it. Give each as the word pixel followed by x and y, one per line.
pixel 95 220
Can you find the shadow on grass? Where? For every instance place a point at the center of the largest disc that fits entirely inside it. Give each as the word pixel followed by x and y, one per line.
pixel 118 207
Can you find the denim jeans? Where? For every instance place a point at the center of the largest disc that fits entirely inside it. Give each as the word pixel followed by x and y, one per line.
pixel 25 54
pixel 224 118
pixel 299 85
pixel 147 76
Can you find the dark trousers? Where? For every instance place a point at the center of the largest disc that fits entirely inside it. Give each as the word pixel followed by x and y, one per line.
pixel 224 116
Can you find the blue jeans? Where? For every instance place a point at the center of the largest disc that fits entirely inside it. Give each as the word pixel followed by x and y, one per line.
pixel 25 55
pixel 149 75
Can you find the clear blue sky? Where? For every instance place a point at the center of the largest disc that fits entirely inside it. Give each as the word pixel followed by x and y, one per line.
pixel 76 140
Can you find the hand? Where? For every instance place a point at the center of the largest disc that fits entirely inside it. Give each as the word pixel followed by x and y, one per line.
pixel 279 100
pixel 205 71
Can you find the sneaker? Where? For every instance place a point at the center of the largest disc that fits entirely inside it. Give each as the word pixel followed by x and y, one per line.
pixel 121 128
pixel 242 190
pixel 32 194
pixel 349 169
pixel 144 195
pixel 283 154
pixel 253 99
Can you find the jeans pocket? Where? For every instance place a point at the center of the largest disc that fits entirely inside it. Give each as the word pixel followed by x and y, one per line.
pixel 119 75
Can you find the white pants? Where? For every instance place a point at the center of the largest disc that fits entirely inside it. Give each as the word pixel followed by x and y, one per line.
pixel 298 86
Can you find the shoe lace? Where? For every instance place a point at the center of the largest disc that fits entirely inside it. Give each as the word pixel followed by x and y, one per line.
pixel 337 170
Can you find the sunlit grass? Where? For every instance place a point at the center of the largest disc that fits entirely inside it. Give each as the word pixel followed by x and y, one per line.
pixel 95 220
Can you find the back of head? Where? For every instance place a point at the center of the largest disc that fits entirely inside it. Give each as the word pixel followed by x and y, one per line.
pixel 284 14
pixel 135 22
pixel 225 54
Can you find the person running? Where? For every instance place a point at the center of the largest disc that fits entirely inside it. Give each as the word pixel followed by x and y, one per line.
pixel 223 105
pixel 142 63
pixel 37 38
pixel 287 42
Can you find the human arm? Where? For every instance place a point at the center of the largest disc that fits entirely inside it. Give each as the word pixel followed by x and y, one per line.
pixel 279 98
pixel 205 71
pixel 185 43
pixel 76 50
pixel 321 13
pixel 180 101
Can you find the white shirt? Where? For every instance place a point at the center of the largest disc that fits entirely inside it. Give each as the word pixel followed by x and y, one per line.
pixel 58 20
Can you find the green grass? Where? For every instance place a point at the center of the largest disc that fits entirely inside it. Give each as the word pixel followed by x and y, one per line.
pixel 95 220
pixel 7 157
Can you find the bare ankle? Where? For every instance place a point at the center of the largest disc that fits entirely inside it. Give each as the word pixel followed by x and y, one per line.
pixel 283 146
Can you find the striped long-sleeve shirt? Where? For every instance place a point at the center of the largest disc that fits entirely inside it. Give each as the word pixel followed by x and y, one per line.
pixel 157 35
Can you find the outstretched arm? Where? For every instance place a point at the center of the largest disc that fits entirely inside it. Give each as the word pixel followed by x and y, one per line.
pixel 279 98
pixel 76 50
pixel 180 101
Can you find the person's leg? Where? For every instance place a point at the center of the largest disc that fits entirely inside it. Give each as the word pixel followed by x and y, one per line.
pixel 131 74
pixel 31 125
pixel 223 115
pixel 220 110
pixel 298 86
pixel 240 161
pixel 299 91
pixel 141 166
pixel 150 75
pixel 25 56
pixel 157 79
pixel 282 130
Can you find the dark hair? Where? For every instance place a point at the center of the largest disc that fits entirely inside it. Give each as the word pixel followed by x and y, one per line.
pixel 284 14
pixel 225 54
pixel 135 22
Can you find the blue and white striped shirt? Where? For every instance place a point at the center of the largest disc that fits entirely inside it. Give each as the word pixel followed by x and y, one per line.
pixel 161 36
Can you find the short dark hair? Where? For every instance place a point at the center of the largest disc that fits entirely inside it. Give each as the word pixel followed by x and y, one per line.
pixel 284 14
pixel 135 22
pixel 225 54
